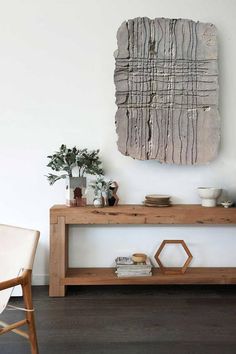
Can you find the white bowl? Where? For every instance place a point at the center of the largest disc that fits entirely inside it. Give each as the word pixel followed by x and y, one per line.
pixel 209 195
pixel 227 203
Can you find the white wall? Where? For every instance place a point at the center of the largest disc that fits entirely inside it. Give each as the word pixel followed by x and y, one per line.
pixel 56 86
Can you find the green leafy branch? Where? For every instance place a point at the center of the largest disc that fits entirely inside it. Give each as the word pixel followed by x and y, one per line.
pixel 66 159
pixel 101 186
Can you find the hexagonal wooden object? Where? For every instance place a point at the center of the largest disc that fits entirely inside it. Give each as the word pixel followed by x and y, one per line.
pixel 173 270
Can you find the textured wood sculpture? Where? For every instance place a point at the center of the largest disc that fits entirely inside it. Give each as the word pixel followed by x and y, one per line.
pixel 166 79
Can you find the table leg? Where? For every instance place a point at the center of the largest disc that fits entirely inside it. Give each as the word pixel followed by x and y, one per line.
pixel 58 261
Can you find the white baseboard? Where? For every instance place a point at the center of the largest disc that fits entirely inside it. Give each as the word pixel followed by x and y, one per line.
pixel 37 279
pixel 40 279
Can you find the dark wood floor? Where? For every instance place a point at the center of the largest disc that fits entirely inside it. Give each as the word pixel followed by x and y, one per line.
pixel 131 320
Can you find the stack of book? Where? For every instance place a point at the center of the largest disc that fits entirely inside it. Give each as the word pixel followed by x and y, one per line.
pixel 125 267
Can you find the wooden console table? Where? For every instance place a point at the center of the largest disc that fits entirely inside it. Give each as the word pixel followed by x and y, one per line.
pixel 61 216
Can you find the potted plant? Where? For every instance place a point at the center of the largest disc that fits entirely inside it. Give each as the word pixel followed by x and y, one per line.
pixel 74 164
pixel 105 192
pixel 100 187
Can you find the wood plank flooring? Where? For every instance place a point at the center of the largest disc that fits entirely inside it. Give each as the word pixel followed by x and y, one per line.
pixel 130 320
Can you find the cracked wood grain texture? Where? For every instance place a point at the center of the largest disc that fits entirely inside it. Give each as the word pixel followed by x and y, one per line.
pixel 166 79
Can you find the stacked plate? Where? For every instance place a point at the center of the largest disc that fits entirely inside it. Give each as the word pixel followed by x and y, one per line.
pixel 157 200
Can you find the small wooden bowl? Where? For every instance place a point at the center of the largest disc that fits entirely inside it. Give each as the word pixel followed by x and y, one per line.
pixel 139 257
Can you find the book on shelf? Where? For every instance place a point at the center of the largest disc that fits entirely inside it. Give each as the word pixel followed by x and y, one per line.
pixel 130 275
pixel 125 267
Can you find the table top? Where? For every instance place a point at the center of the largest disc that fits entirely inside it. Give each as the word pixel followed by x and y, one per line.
pixel 140 214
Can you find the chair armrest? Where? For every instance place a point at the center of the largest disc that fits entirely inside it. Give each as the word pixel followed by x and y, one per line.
pixel 14 281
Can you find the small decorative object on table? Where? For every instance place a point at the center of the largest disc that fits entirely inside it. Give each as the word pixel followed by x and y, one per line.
pixel 139 257
pixel 105 192
pixel 126 267
pixel 112 197
pixel 157 200
pixel 98 202
pixel 100 187
pixel 72 165
pixel 227 203
pixel 209 195
pixel 171 270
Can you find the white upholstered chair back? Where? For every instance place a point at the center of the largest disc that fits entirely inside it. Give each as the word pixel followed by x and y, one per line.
pixel 17 252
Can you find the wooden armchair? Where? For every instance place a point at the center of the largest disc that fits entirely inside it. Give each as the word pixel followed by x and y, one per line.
pixel 17 252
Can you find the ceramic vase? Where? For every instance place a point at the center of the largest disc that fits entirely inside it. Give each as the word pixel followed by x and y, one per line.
pixel 209 196
pixel 75 191
pixel 99 201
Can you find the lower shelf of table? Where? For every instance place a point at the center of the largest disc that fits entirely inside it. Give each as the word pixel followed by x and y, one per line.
pixel 107 276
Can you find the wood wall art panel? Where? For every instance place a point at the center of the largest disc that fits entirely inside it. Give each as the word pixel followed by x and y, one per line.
pixel 166 79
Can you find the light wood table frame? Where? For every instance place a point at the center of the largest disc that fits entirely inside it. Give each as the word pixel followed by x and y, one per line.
pixel 62 216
